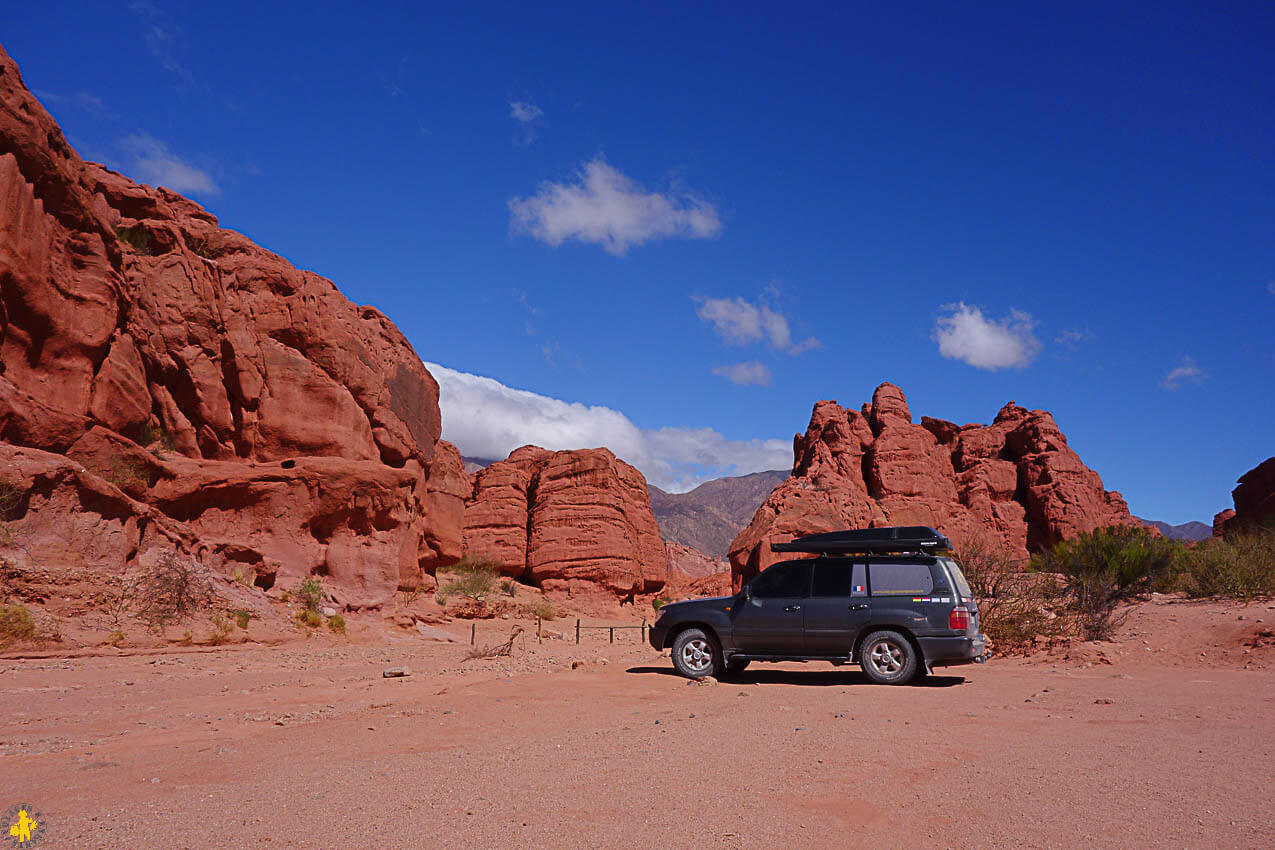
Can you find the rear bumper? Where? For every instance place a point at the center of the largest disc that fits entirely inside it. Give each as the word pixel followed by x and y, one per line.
pixel 950 651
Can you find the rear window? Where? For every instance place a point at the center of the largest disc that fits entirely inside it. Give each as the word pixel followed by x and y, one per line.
pixel 901 580
pixel 839 578
pixel 962 585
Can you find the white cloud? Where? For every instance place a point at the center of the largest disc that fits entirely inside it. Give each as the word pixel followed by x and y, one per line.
pixel 1187 371
pixel 607 208
pixel 740 322
pixel 153 163
pixel 524 111
pixel 969 336
pixel 1270 287
pixel 485 418
pixel 161 36
pixel 745 374
pixel 82 99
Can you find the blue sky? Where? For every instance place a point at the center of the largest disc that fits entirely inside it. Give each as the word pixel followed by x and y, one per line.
pixel 674 229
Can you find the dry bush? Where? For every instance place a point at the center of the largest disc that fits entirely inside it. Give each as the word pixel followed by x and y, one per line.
pixel 125 473
pixel 242 617
pixel 118 601
pixel 1014 606
pixel 221 629
pixel 16 623
pixel 500 650
pixel 542 607
pixel 172 591
pixel 312 619
pixel 336 623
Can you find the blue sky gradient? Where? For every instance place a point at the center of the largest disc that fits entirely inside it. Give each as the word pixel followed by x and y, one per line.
pixel 1094 182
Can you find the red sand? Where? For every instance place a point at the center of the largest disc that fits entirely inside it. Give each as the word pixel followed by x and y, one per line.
pixel 308 746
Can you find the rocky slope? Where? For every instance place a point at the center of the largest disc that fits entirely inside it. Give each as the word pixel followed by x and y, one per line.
pixel 708 517
pixel 1014 483
pixel 1254 500
pixel 570 522
pixel 1186 531
pixel 166 384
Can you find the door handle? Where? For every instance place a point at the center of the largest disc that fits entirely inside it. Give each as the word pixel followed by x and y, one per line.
pixel 862 606
pixel 792 607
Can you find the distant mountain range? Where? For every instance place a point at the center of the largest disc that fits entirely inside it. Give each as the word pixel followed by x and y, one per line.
pixel 708 517
pixel 1187 531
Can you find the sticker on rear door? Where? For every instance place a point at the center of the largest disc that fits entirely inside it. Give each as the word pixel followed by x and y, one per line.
pixel 931 599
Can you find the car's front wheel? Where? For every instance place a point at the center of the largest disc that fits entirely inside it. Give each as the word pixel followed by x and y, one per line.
pixel 888 658
pixel 696 654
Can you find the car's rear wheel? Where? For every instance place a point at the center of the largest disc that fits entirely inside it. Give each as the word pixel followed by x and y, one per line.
pixel 696 654
pixel 888 658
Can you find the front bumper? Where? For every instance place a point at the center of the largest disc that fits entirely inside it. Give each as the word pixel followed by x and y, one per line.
pixel 950 651
pixel 656 635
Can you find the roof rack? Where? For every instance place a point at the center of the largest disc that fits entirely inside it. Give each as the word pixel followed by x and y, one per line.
pixel 895 539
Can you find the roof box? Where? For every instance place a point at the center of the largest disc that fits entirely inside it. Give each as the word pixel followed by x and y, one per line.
pixel 906 538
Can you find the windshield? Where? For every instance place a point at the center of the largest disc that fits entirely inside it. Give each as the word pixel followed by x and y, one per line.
pixel 962 585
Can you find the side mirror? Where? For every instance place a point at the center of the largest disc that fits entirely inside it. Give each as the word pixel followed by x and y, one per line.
pixel 746 593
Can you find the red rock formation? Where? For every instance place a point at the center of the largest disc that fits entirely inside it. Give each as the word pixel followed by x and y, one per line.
pixel 294 431
pixel 569 522
pixel 1014 483
pixel 692 563
pixel 1254 500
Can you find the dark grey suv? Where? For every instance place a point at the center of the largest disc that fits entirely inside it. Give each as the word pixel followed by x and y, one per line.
pixel 891 599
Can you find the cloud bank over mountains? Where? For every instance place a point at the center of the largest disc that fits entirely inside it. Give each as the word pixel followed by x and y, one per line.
pixel 484 418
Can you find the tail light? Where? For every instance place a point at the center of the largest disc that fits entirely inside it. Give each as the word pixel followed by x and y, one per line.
pixel 959 619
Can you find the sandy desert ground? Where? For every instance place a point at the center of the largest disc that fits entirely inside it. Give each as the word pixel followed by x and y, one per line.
pixel 1162 739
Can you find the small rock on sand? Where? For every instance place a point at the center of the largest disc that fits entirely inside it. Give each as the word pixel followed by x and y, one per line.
pixel 395 672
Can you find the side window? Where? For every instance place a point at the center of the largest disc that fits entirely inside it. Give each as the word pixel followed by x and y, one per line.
pixel 783 580
pixel 839 578
pixel 901 580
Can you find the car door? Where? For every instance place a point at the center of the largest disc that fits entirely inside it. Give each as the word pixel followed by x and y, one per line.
pixel 838 606
pixel 770 620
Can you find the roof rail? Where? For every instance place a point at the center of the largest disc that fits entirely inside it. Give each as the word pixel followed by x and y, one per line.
pixel 893 539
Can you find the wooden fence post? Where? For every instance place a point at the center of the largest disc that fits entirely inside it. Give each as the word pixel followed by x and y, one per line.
pixel 538 638
pixel 473 634
pixel 577 630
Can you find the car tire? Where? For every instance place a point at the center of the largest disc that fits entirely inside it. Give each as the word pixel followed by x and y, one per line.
pixel 888 658
pixel 696 654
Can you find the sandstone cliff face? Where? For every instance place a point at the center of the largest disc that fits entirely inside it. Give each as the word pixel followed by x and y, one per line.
pixel 291 431
pixel 1013 483
pixel 1254 500
pixel 570 522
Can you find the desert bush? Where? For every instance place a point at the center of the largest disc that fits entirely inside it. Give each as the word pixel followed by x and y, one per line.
pixel 542 607
pixel 16 623
pixel 473 577
pixel 1106 567
pixel 240 576
pixel 172 591
pixel 120 599
pixel 509 587
pixel 156 434
pixel 221 629
pixel 312 619
pixel 499 650
pixel 210 247
pixel 657 603
pixel 337 624
pixel 242 617
pixel 115 638
pixel 11 497
pixel 137 237
pixel 125 473
pixel 1014 606
pixel 1240 565
pixel 310 593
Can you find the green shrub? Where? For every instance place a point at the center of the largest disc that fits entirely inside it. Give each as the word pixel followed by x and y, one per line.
pixel 540 606
pixel 310 593
pixel 306 617
pixel 1240 565
pixel 242 617
pixel 125 473
pixel 657 603
pixel 158 436
pixel 1106 567
pixel 473 577
pixel 16 623
pixel 221 629
pixel 337 624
